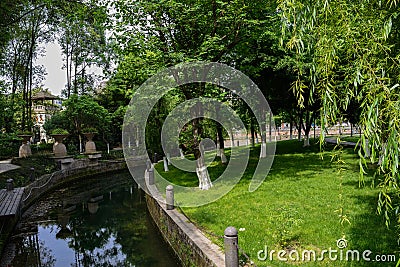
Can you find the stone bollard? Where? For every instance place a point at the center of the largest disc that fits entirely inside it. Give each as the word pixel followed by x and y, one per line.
pixel 148 165
pixel 155 158
pixel 231 249
pixel 32 176
pixel 10 185
pixel 170 197
pixel 151 176
pixel 181 152
pixel 263 153
pixel 165 164
pixel 366 149
pixel 169 158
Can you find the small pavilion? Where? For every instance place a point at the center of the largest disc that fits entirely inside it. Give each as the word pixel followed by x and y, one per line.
pixel 44 106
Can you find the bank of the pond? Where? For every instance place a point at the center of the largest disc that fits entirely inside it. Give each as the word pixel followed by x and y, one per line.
pixel 191 246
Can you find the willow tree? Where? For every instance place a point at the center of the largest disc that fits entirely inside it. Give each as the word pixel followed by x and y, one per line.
pixel 352 49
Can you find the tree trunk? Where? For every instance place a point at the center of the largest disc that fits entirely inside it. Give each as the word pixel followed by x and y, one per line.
pixel 299 126
pixel 29 104
pixel 201 169
pixel 270 126
pixel 221 143
pixel 307 128
pixel 306 140
pixel 252 132
pixel 24 98
pixel 67 65
pixel 80 143
pixel 13 89
pixel 75 74
pixel 263 153
pixel 83 81
pixel 202 172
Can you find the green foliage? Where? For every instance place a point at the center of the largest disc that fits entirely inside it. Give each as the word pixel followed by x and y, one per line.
pixel 72 149
pixel 58 120
pixel 6 114
pixel 9 145
pixel 114 154
pixel 59 131
pixel 83 112
pixel 42 164
pixel 351 51
pixel 42 148
pixel 89 130
pixel 81 27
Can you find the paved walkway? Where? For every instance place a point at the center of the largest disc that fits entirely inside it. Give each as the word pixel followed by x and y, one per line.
pixel 5 165
pixel 344 143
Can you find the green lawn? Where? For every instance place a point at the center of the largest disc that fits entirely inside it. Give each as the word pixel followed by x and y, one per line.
pixel 42 164
pixel 297 207
pixel 355 138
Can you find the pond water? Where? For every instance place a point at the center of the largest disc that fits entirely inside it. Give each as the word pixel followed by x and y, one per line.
pixel 98 221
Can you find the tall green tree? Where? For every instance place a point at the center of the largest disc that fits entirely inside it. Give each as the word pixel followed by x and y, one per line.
pixel 82 38
pixel 25 26
pixel 162 34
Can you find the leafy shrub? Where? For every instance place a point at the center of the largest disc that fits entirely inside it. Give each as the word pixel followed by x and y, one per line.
pixel 59 131
pixel 114 154
pixel 72 149
pixel 42 148
pixel 24 133
pixel 89 130
pixel 101 145
pixel 9 145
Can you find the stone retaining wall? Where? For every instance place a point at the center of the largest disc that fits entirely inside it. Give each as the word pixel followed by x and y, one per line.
pixel 48 182
pixel 188 242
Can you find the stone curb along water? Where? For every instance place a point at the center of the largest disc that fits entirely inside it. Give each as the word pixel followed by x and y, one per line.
pixel 191 246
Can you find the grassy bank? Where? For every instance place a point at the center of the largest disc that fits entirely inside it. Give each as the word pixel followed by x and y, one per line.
pixel 298 207
pixel 41 163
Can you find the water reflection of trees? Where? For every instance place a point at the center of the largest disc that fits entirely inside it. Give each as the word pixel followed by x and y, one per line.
pixel 113 236
pixel 34 253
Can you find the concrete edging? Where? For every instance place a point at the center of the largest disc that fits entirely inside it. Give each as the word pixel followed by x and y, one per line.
pixel 191 246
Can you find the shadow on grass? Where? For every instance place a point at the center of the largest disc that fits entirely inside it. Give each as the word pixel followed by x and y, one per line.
pixel 292 161
pixel 368 232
